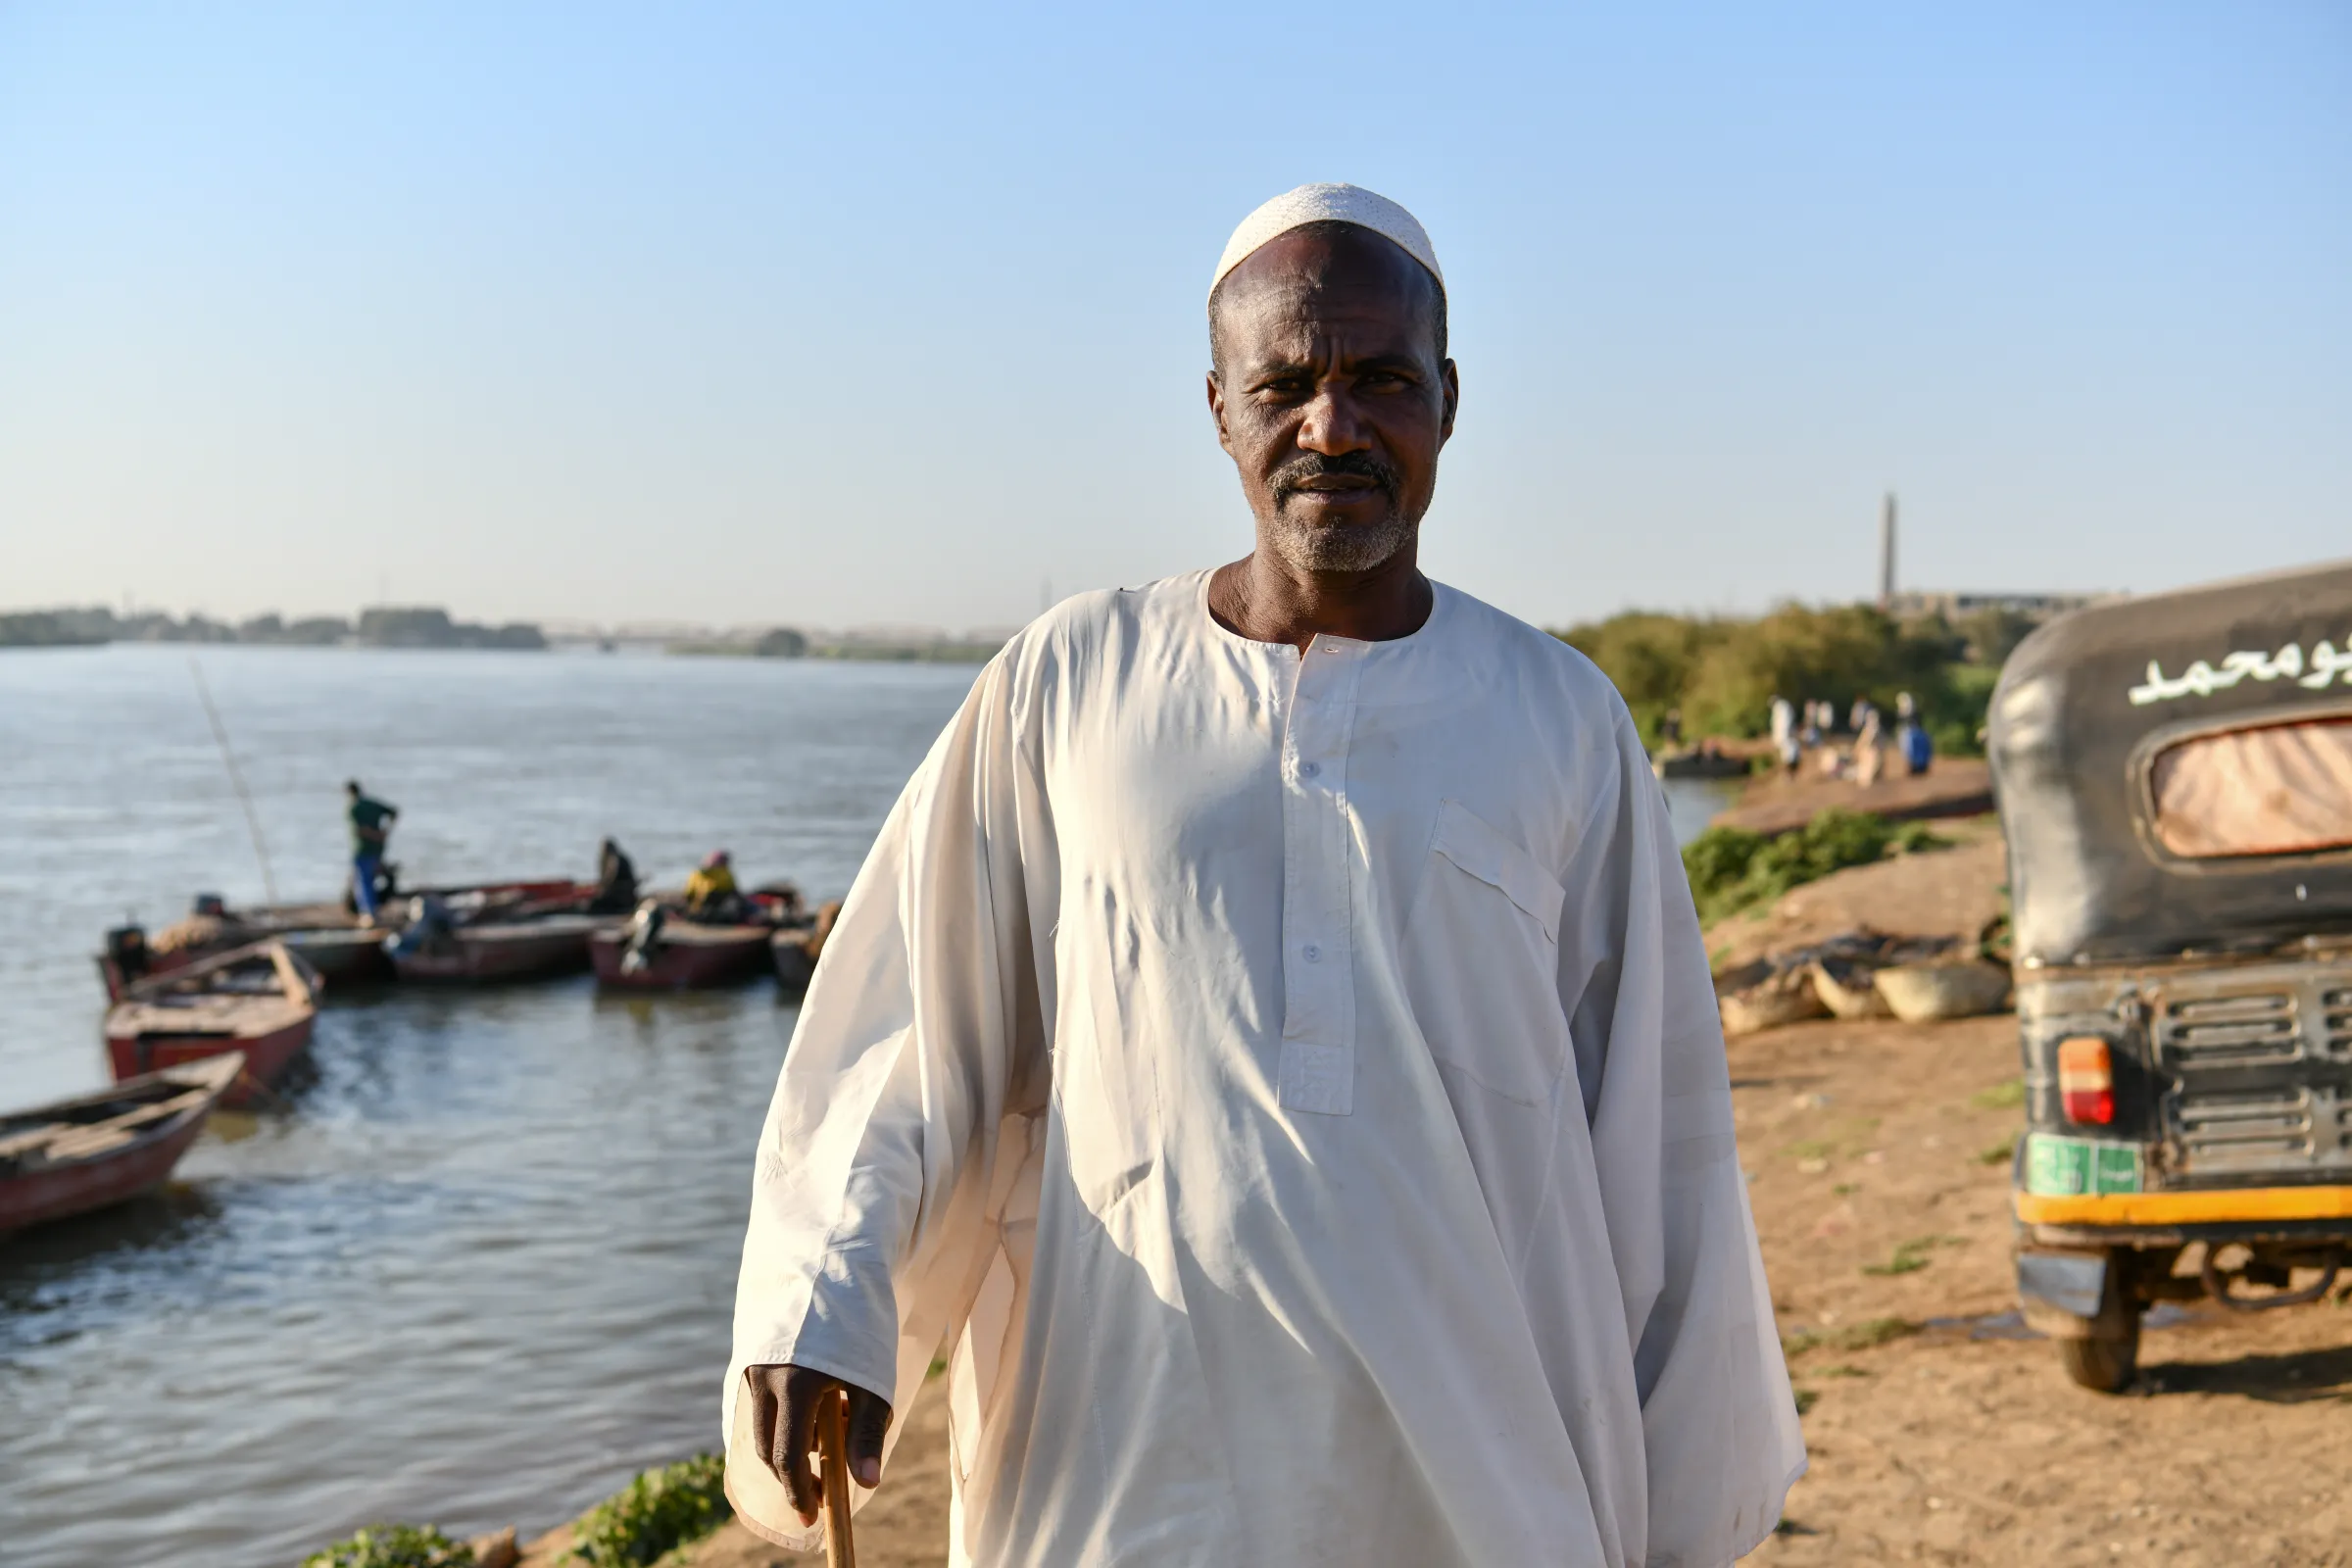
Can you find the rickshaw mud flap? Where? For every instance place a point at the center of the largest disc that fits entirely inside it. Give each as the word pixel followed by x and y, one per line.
pixel 2061 1293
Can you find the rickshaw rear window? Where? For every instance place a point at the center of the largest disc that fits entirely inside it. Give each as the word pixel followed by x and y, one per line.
pixel 2283 789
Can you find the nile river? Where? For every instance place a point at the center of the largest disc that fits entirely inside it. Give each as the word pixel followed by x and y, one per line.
pixel 478 1269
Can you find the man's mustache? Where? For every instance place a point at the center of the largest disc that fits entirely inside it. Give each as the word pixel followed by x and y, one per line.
pixel 1294 475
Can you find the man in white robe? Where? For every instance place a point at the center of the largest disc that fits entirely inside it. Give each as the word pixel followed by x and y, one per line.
pixel 1270 1051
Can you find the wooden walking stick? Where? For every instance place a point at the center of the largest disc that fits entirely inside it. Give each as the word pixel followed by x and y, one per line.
pixel 833 1453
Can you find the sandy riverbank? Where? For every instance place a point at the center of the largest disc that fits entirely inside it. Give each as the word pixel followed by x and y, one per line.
pixel 1938 1433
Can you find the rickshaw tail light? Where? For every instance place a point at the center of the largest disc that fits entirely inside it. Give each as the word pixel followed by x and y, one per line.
pixel 2086 1082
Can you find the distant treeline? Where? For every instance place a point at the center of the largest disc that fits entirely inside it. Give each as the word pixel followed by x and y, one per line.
pixel 784 642
pixel 417 627
pixel 1722 671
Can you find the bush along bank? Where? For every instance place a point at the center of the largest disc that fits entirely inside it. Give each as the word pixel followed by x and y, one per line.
pixel 1732 869
pixel 394 1547
pixel 661 1510
pixel 1722 672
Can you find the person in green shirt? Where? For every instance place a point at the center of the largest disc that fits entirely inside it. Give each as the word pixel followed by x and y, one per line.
pixel 370 830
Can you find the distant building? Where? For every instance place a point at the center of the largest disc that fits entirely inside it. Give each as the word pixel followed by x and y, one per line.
pixel 1952 605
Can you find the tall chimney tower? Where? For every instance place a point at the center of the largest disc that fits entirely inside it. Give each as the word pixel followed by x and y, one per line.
pixel 1887 554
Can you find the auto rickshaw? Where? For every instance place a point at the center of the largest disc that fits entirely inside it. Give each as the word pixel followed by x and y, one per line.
pixel 2174 781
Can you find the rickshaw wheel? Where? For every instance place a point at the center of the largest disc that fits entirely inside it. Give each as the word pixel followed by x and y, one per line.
pixel 2103 1366
pixel 2106 1360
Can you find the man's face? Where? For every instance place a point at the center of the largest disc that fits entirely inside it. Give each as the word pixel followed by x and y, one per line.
pixel 1330 396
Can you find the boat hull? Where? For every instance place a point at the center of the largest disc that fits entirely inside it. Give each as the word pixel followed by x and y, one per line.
pixel 350 957
pixel 478 954
pixel 45 1196
pixel 684 961
pixel 34 1191
pixel 268 1054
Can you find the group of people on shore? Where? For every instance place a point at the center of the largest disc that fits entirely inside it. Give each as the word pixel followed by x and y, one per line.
pixel 1813 727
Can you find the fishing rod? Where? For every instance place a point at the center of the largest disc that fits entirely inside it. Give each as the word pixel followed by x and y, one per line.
pixel 228 760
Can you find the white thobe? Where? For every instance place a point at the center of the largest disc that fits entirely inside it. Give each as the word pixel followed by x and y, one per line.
pixel 1288 1086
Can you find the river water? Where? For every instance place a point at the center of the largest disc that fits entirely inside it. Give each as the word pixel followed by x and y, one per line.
pixel 479 1268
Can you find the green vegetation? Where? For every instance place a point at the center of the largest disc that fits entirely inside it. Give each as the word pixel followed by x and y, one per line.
pixel 1865 1335
pixel 2000 1097
pixel 1730 868
pixel 1806 1399
pixel 394 1547
pixel 1910 1256
pixel 1723 672
pixel 43 628
pixel 661 1509
pixel 1999 1154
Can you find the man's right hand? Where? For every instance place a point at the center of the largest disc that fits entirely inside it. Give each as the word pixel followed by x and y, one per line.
pixel 784 1405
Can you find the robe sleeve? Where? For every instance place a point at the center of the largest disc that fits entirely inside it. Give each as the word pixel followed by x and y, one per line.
pixel 877 1192
pixel 1719 1433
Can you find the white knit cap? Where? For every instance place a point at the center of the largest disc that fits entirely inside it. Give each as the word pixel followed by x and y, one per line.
pixel 1322 204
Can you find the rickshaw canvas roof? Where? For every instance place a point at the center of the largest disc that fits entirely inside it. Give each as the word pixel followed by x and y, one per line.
pixel 2088 701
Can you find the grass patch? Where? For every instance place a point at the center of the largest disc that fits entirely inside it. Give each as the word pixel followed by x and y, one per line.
pixel 1864 1336
pixel 1999 1154
pixel 1844 1370
pixel 1911 1257
pixel 661 1509
pixel 394 1547
pixel 1732 869
pixel 1811 1148
pixel 1806 1399
pixel 1846 1189
pixel 2000 1097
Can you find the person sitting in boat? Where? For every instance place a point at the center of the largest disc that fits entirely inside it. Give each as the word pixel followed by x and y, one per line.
pixel 711 892
pixel 615 882
pixel 430 926
pixel 371 832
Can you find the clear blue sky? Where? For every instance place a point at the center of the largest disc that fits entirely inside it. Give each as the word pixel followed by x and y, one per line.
pixel 871 313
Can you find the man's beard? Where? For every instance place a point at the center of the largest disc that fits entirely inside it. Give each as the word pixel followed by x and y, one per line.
pixel 1337 547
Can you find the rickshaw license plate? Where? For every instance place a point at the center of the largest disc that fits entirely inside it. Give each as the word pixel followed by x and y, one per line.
pixel 2080 1167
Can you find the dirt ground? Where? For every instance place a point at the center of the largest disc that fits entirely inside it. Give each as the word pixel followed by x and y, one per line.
pixel 1939 1431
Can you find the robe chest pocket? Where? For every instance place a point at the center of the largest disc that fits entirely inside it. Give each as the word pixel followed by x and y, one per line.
pixel 1481 959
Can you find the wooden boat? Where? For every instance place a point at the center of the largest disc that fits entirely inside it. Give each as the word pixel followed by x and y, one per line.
pixel 533 948
pixel 795 951
pixel 329 936
pixel 85 1153
pixel 685 954
pixel 259 1000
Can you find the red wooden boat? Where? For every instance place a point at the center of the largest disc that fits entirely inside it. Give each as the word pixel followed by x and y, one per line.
pixel 85 1153
pixel 795 949
pixel 259 1002
pixel 327 936
pixel 683 954
pixel 529 948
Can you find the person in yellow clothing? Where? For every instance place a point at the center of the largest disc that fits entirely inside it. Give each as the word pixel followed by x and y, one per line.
pixel 711 893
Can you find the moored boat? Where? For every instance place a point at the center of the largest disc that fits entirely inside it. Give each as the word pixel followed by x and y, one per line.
pixel 328 935
pixel 86 1153
pixel 259 1002
pixel 537 946
pixel 681 955
pixel 795 949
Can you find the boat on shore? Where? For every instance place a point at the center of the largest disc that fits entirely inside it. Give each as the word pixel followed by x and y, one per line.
pixel 258 1002
pixel 93 1150
pixel 530 946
